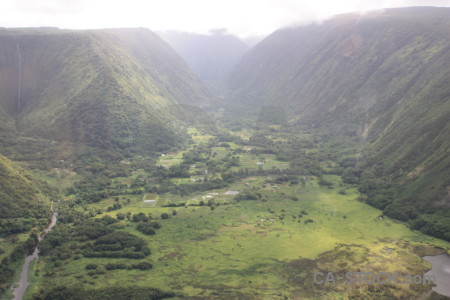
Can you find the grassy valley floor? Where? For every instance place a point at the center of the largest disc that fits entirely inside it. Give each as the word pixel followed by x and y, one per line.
pixel 265 242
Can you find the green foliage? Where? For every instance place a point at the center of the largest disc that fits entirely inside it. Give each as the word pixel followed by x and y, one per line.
pixel 91 266
pixel 109 293
pixel 115 266
pixel 142 266
pixel 140 217
pixel 122 238
pixel 100 91
pixel 247 196
pixel 93 238
pixel 146 228
pixel 394 97
pixel 7 264
pixel 20 196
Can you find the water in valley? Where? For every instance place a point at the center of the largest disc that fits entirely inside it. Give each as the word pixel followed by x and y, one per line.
pixel 441 272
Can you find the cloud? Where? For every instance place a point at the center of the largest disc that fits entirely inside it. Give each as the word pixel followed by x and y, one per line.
pixel 50 7
pixel 242 17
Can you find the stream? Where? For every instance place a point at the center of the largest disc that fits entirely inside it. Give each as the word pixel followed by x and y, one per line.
pixel 441 272
pixel 23 283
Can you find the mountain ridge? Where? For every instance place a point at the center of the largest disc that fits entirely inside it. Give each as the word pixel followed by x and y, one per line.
pixel 210 56
pixel 103 88
pixel 382 78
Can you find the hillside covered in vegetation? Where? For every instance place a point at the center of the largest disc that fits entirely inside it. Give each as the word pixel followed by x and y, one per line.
pixel 382 77
pixel 117 90
pixel 328 147
pixel 20 194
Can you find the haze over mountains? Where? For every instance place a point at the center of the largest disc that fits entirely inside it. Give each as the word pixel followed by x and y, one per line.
pixel 210 56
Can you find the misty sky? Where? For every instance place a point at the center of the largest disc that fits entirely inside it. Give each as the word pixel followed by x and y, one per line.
pixel 240 17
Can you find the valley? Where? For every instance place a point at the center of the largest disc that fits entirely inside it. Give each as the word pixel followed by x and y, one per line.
pixel 223 172
pixel 265 240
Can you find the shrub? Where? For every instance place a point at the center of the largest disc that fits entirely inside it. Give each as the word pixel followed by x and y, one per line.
pixel 146 228
pixel 91 267
pixel 155 225
pixel 143 266
pixel 115 266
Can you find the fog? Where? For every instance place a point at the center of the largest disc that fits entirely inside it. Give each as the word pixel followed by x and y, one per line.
pixel 242 18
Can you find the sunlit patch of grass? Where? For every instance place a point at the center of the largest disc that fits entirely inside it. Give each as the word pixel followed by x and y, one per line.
pixel 170 159
pixel 197 136
pixel 244 247
pixel 258 249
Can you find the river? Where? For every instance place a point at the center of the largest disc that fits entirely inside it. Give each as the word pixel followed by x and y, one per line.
pixel 441 272
pixel 23 283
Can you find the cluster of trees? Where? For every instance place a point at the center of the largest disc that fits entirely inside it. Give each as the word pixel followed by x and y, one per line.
pixel 383 186
pixel 91 188
pixel 205 156
pixel 92 238
pixel 385 193
pixel 324 182
pixel 285 178
pixel 118 244
pixel 226 178
pixel 248 196
pixel 97 184
pixel 140 217
pixel 7 264
pixel 185 189
pixel 108 293
pixel 20 225
pixel 433 224
pixel 148 228
pixel 122 266
pixel 174 204
pixel 115 206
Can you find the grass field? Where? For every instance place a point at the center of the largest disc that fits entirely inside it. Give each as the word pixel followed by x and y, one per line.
pixel 268 248
pixel 250 247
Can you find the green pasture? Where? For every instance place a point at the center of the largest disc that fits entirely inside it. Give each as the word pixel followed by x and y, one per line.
pixel 247 247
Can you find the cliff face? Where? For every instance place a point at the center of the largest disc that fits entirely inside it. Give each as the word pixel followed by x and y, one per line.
pixel 102 88
pixel 383 77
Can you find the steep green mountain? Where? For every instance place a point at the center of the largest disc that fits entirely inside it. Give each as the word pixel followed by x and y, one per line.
pixel 22 198
pixel 107 89
pixel 210 56
pixel 383 77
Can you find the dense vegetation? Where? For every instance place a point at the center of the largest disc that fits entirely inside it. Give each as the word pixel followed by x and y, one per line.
pixel 119 91
pixel 24 205
pixel 24 201
pixel 394 96
pixel 289 194
pixel 75 293
pixel 154 207
pixel 106 243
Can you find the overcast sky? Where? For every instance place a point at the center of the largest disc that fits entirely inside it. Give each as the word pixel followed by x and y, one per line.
pixel 240 17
